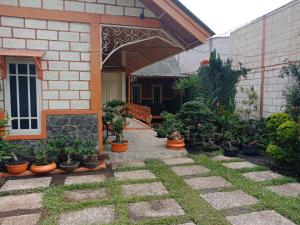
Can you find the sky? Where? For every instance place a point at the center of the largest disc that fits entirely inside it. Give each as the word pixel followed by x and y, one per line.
pixel 224 15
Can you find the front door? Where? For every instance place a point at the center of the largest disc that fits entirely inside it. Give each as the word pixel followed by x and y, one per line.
pixel 111 86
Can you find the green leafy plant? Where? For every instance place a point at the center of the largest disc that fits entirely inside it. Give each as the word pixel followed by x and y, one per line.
pixel 250 103
pixel 288 132
pixel 171 125
pixel 275 120
pixel 44 154
pixel 292 94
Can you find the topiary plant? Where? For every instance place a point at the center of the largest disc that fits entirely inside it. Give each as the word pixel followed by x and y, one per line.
pixel 275 120
pixel 278 153
pixel 288 132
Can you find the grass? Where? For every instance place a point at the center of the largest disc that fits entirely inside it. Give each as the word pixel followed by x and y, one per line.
pixel 288 207
pixel 196 208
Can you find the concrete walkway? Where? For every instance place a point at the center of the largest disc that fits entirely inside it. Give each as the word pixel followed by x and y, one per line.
pixel 143 144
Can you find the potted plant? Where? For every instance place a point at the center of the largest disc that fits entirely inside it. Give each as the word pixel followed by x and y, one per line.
pixel 70 164
pixel 175 141
pixel 89 153
pixel 229 149
pixel 15 165
pixel 119 144
pixel 44 159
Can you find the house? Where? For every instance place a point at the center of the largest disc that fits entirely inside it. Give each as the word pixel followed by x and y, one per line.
pixel 60 60
pixel 264 46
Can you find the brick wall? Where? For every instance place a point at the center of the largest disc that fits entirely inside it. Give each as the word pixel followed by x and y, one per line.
pixel 66 64
pixel 282 39
pixel 111 7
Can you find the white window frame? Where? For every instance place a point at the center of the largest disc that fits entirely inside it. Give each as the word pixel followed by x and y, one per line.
pixel 7 99
pixel 160 87
pixel 140 87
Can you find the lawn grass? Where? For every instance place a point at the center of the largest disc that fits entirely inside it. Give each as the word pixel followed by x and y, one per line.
pixel 288 207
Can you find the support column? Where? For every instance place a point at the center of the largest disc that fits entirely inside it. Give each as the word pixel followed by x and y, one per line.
pixel 96 87
pixel 129 89
pixel 262 65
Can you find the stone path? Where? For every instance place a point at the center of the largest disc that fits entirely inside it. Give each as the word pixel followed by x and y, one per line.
pixel 143 144
pixel 141 183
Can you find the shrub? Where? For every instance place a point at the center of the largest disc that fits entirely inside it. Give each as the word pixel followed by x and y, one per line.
pixel 275 120
pixel 279 154
pixel 171 124
pixel 288 132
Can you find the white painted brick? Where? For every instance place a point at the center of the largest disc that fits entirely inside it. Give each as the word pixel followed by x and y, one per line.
pixel 58 85
pixel 80 27
pixel 44 65
pixel 45 104
pixel 125 2
pixel 50 75
pixel 53 104
pixel 37 44
pixel 12 21
pixel 5 32
pixel 68 36
pixel 9 2
pixel 132 11
pixel 89 1
pixel 45 85
pixel 13 43
pixel 139 4
pixel 69 75
pixel 82 66
pixel 74 6
pixel 69 95
pixel 57 65
pixel 70 56
pixel 58 25
pixel 85 76
pixel 79 85
pixel 81 47
pixel 53 4
pixel 107 1
pixel 51 55
pixel 149 14
pixel 23 33
pixel 85 95
pixel 85 56
pixel 47 35
pixel 114 10
pixel 31 3
pixel 50 95
pixel 33 23
pixel 84 37
pixel 59 45
pixel 80 104
pixel 94 8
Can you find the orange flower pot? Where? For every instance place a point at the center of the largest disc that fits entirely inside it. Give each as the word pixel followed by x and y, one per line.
pixel 18 168
pixel 119 147
pixel 43 169
pixel 175 144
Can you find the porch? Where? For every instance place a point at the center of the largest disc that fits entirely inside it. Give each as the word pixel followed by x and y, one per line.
pixel 143 144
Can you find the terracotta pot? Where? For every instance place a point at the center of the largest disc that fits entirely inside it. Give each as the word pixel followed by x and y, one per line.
pixel 175 144
pixel 43 169
pixel 119 147
pixel 17 168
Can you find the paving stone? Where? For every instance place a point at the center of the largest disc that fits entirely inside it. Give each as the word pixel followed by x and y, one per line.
pixel 177 161
pixel 88 216
pixel 128 164
pixel 82 195
pixel 134 175
pixel 231 199
pixel 85 179
pixel 189 170
pixel 239 165
pixel 201 183
pixel 286 190
pixel 224 158
pixel 18 202
pixel 30 219
pixel 267 217
pixel 22 184
pixel 262 175
pixel 153 209
pixel 155 188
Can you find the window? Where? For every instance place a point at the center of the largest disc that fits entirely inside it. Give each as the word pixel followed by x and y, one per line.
pixel 156 94
pixel 22 102
pixel 136 94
